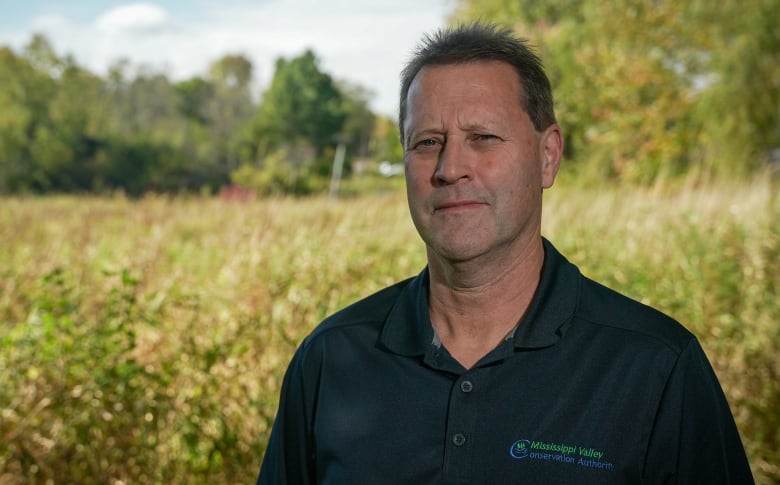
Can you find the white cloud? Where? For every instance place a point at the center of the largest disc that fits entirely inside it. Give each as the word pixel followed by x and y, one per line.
pixel 143 17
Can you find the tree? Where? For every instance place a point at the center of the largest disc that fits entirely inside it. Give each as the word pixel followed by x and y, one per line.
pixel 302 106
pixel 68 144
pixel 65 129
pixel 47 110
pixel 358 126
pixel 651 90
pixel 194 95
pixel 232 72
pixel 19 116
pixel 738 103
pixel 229 109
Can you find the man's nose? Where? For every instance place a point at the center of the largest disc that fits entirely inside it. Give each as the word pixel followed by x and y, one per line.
pixel 454 163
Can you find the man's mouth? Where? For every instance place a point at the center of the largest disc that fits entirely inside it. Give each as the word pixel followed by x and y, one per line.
pixel 457 205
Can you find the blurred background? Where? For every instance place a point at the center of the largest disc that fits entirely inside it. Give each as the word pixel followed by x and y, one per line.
pixel 188 187
pixel 194 96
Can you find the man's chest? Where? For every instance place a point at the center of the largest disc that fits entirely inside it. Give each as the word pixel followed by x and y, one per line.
pixel 531 417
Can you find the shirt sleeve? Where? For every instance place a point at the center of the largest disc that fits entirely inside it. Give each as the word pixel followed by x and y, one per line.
pixel 695 438
pixel 289 455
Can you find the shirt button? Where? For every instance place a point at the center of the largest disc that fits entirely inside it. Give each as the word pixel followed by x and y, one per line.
pixel 458 440
pixel 466 386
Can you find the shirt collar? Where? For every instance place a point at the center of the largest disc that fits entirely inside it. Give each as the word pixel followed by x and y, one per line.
pixel 408 331
pixel 553 304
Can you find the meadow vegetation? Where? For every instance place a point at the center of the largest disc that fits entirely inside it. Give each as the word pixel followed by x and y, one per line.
pixel 144 341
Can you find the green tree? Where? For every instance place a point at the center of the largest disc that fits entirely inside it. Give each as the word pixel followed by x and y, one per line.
pixel 302 106
pixel 193 95
pixel 229 109
pixel 51 121
pixel 69 144
pixel 16 121
pixel 359 120
pixel 63 128
pixel 651 90
pixel 738 107
pixel 25 94
pixel 146 133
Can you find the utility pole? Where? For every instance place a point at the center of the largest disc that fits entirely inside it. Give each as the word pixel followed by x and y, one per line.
pixel 338 166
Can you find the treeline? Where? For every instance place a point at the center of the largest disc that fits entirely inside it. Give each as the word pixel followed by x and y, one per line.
pixel 648 90
pixel 66 129
pixel 645 92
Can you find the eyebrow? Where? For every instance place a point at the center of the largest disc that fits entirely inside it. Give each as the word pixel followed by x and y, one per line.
pixel 478 127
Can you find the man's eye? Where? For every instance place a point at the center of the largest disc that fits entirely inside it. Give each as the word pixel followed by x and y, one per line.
pixel 427 143
pixel 484 137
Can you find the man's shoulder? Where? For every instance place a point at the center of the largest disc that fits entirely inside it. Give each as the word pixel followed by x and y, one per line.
pixel 603 306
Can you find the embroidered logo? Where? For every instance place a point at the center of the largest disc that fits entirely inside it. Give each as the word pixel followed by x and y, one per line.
pixel 561 453
pixel 520 449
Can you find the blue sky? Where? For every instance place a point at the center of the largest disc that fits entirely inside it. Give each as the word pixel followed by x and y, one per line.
pixel 365 42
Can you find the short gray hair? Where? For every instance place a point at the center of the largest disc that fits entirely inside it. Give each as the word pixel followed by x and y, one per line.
pixel 484 42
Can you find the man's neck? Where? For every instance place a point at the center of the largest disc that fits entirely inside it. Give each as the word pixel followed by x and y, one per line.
pixel 476 304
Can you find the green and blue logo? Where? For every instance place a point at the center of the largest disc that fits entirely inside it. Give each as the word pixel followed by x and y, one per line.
pixel 520 448
pixel 564 453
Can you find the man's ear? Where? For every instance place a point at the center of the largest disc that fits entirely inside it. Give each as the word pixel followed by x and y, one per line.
pixel 551 147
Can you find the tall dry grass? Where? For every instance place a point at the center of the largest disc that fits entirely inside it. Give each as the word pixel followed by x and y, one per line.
pixel 144 341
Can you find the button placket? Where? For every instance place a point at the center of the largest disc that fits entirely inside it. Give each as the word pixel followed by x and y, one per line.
pixel 460 430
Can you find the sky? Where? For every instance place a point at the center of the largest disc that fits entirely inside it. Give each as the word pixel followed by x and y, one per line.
pixel 364 42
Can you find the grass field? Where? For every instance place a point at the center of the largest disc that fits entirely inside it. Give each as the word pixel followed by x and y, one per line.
pixel 144 341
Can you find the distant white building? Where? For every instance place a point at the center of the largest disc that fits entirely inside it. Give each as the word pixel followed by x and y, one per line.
pixel 388 169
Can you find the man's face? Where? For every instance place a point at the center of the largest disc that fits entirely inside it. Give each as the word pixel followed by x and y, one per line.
pixel 475 166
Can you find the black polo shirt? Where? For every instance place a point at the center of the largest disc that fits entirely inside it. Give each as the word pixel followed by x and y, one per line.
pixel 592 388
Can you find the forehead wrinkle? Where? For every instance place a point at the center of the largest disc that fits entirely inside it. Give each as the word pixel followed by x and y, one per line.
pixel 481 119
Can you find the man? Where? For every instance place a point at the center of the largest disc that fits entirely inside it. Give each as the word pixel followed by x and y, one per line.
pixel 500 362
